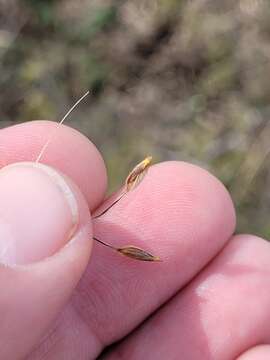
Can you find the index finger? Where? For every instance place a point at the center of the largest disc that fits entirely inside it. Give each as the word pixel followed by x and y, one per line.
pixel 180 213
pixel 68 151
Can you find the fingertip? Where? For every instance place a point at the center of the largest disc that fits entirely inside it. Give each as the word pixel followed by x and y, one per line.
pixel 197 182
pixel 176 203
pixel 259 352
pixel 184 195
pixel 41 210
pixel 49 224
pixel 68 151
pixel 202 201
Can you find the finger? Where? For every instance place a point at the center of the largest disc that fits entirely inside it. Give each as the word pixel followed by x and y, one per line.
pixel 221 314
pixel 68 151
pixel 260 352
pixel 179 212
pixel 45 243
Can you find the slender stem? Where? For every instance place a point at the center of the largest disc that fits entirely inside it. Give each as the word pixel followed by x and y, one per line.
pixel 110 206
pixel 105 244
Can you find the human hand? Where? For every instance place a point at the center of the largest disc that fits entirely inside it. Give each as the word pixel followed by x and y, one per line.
pixel 208 299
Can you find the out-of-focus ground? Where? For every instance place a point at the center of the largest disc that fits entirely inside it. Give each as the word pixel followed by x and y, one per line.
pixel 181 80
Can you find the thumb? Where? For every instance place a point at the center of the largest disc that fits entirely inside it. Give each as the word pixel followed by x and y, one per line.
pixel 45 244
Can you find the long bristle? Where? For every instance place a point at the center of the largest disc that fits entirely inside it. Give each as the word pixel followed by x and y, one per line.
pixel 60 122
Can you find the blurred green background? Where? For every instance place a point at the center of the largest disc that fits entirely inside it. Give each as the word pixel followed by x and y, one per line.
pixel 181 80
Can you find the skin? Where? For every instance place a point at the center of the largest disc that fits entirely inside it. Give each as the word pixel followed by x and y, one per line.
pixel 208 299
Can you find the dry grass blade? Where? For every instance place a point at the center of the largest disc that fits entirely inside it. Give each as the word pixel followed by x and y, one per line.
pixel 137 253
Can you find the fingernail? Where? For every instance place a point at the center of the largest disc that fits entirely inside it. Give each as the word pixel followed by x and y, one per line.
pixel 38 213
